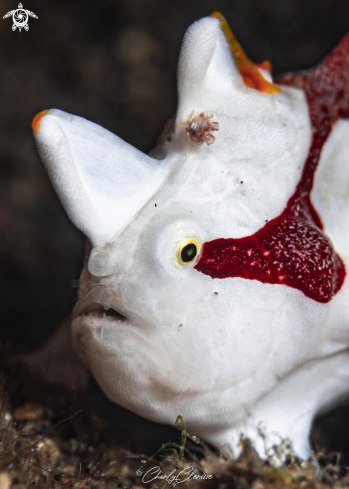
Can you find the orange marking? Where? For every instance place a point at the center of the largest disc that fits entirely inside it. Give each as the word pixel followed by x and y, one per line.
pixel 252 77
pixel 37 120
pixel 265 65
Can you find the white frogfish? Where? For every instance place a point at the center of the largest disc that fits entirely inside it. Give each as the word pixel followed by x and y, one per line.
pixel 215 284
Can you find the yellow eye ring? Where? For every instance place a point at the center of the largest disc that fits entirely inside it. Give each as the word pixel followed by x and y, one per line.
pixel 187 251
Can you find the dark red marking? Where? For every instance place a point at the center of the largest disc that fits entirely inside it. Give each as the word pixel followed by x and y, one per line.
pixel 292 248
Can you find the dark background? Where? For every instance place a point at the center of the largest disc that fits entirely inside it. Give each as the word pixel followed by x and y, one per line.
pixel 114 63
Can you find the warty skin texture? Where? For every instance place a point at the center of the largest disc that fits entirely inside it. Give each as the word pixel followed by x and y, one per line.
pixel 233 355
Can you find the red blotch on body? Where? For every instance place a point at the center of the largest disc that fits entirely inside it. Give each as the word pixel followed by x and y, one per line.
pixel 292 249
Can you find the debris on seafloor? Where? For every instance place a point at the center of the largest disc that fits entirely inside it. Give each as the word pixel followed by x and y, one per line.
pixel 36 452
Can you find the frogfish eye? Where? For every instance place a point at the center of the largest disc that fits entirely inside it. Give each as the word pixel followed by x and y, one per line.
pixel 189 252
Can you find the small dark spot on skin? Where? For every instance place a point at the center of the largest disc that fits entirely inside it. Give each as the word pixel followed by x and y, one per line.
pixel 180 325
pixel 155 205
pixel 215 293
pixel 241 181
pixel 266 220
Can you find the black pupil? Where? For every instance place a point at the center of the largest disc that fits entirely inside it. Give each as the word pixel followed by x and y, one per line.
pixel 189 252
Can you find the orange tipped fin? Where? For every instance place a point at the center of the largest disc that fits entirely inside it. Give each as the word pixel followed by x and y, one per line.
pixel 37 120
pixel 265 65
pixel 252 77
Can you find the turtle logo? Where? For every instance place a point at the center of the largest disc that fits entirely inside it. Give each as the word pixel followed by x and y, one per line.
pixel 20 18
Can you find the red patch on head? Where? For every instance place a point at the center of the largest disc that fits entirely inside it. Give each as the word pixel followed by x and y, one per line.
pixel 292 249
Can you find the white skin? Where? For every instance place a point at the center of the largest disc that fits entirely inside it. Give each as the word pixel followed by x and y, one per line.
pixel 231 355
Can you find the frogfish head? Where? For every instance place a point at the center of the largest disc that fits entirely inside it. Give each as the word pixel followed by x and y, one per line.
pixel 188 302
